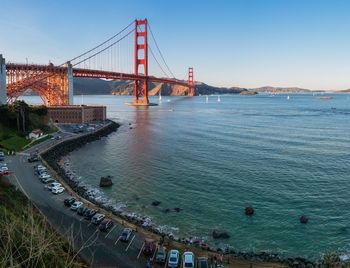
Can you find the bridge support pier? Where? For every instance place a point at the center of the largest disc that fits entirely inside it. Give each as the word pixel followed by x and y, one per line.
pixel 70 83
pixel 3 98
pixel 190 82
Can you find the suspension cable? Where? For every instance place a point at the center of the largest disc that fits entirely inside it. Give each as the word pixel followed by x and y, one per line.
pixel 150 49
pixel 93 55
pixel 160 53
pixel 103 42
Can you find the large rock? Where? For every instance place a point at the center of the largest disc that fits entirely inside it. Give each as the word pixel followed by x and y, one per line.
pixel 220 234
pixel 155 203
pixel 303 219
pixel 106 181
pixel 249 211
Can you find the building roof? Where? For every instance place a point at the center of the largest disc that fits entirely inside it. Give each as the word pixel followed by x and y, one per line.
pixel 37 131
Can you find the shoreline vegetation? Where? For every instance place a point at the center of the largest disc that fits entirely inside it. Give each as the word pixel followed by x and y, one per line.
pixel 17 121
pixel 26 237
pixel 53 158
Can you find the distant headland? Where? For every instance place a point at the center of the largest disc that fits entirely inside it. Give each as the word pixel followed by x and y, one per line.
pixel 93 86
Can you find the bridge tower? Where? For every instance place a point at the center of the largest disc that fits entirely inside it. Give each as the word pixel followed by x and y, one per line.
pixel 70 82
pixel 141 60
pixel 2 80
pixel 190 82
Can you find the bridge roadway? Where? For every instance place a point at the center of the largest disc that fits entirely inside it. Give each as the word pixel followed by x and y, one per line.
pixel 46 70
pixel 97 248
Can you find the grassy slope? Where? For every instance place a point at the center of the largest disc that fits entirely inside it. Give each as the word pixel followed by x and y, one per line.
pixel 11 140
pixel 26 240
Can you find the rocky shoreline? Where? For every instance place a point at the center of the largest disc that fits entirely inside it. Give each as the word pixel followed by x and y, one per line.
pixel 56 158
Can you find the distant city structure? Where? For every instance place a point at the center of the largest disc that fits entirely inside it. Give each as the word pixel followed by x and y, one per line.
pixel 77 114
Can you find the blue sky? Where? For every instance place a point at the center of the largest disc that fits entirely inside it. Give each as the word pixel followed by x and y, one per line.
pixel 247 43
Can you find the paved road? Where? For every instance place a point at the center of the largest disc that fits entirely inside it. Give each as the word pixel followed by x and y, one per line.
pixel 98 248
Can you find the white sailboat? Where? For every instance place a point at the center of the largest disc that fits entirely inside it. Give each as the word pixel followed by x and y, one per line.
pixel 219 99
pixel 160 96
pixel 288 97
pixel 206 99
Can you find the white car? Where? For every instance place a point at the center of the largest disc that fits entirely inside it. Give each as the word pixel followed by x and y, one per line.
pixel 4 168
pixel 76 205
pixel 97 218
pixel 188 260
pixel 57 190
pixel 53 185
pixel 40 168
pixel 47 180
pixel 44 176
pixel 173 261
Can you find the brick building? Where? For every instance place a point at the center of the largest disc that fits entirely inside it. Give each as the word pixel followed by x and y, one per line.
pixel 77 113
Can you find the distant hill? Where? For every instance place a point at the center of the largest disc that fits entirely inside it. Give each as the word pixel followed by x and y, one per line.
pixel 269 89
pixel 344 91
pixel 89 86
pixel 93 86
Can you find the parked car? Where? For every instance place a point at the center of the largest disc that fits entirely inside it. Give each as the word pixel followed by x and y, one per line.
pixel 173 261
pixel 161 254
pixel 148 246
pixel 39 168
pixel 126 234
pixel 188 260
pixel 90 213
pixel 4 168
pixel 33 158
pixel 202 262
pixel 41 172
pixel 81 211
pixel 53 185
pixel 76 205
pixel 97 218
pixel 44 176
pixel 57 190
pixel 47 180
pixel 2 165
pixel 105 225
pixel 69 201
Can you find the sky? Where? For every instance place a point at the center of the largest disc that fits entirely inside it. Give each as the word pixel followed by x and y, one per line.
pixel 244 43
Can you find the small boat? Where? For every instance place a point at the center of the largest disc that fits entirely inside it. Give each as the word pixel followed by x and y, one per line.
pixel 219 99
pixel 288 97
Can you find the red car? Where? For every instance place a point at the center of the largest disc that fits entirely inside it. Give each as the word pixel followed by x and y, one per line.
pixel 148 247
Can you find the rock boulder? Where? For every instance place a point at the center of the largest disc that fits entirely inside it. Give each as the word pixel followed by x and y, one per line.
pixel 220 234
pixel 106 181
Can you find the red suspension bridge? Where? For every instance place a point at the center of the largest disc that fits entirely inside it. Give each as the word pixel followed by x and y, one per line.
pixel 115 58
